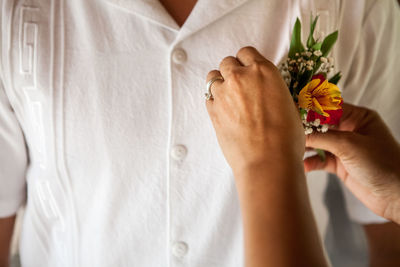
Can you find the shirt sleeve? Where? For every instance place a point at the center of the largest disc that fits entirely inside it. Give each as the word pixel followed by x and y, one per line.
pixel 13 159
pixel 372 79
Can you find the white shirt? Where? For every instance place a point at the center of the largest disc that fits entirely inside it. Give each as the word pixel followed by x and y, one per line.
pixel 103 120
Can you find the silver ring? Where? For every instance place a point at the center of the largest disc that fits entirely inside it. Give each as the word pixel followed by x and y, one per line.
pixel 209 95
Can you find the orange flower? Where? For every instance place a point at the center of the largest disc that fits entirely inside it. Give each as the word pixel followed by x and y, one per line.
pixel 319 95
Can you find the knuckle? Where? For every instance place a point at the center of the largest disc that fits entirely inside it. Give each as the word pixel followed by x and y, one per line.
pixel 245 50
pixel 366 115
pixel 212 74
pixel 366 112
pixel 227 59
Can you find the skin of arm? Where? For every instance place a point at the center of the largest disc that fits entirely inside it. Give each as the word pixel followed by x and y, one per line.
pixel 6 231
pixel 253 112
pixel 278 222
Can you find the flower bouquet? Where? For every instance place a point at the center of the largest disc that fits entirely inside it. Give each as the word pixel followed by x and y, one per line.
pixel 308 73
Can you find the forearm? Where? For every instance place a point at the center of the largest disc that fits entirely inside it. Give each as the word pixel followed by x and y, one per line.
pixel 279 227
pixel 6 231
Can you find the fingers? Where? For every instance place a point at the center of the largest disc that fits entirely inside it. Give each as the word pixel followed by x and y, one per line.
pixel 315 163
pixel 228 64
pixel 350 118
pixel 336 142
pixel 249 55
pixel 354 117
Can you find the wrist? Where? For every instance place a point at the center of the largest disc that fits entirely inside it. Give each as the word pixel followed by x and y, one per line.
pixel 269 180
pixel 270 169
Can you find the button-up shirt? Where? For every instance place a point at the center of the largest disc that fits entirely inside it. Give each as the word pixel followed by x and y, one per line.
pixel 104 131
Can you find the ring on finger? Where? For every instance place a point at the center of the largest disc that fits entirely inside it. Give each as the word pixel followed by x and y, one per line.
pixel 209 95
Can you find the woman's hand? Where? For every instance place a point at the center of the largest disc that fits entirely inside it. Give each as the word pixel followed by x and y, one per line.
pixel 260 133
pixel 253 113
pixel 365 156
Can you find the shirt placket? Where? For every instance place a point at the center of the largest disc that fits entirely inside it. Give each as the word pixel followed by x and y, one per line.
pixel 177 244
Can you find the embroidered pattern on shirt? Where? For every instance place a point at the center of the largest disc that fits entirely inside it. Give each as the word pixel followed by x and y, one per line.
pixel 28 54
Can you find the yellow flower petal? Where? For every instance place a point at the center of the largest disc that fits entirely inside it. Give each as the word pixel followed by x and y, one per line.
pixel 317 108
pixel 305 99
pixel 320 97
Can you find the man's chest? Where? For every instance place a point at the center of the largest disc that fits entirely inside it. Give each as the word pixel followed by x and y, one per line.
pixel 80 69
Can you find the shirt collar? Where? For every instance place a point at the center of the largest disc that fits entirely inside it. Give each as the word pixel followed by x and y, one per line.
pixel 204 13
pixel 152 10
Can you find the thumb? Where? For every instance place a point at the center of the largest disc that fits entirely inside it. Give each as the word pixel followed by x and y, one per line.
pixel 339 143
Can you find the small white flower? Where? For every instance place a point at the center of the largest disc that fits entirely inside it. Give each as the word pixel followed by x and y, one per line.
pixel 308 54
pixel 292 62
pixel 308 130
pixel 324 128
pixel 309 68
pixel 318 53
pixel 324 59
pixel 300 59
pixel 331 69
pixel 297 54
pixel 331 60
pixel 290 68
pixel 317 122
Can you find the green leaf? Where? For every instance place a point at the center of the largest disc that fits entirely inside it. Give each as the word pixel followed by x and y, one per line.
pixel 321 153
pixel 303 112
pixel 317 46
pixel 335 79
pixel 328 43
pixel 311 40
pixel 295 44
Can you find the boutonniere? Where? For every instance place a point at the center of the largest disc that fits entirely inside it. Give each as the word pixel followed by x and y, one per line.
pixel 308 73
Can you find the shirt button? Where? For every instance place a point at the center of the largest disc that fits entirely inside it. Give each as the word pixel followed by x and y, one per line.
pixel 180 249
pixel 179 56
pixel 179 152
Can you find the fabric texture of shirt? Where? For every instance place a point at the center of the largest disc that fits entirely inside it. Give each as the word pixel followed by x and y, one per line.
pixel 104 131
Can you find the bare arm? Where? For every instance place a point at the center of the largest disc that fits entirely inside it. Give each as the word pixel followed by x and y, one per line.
pixel 6 231
pixel 279 226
